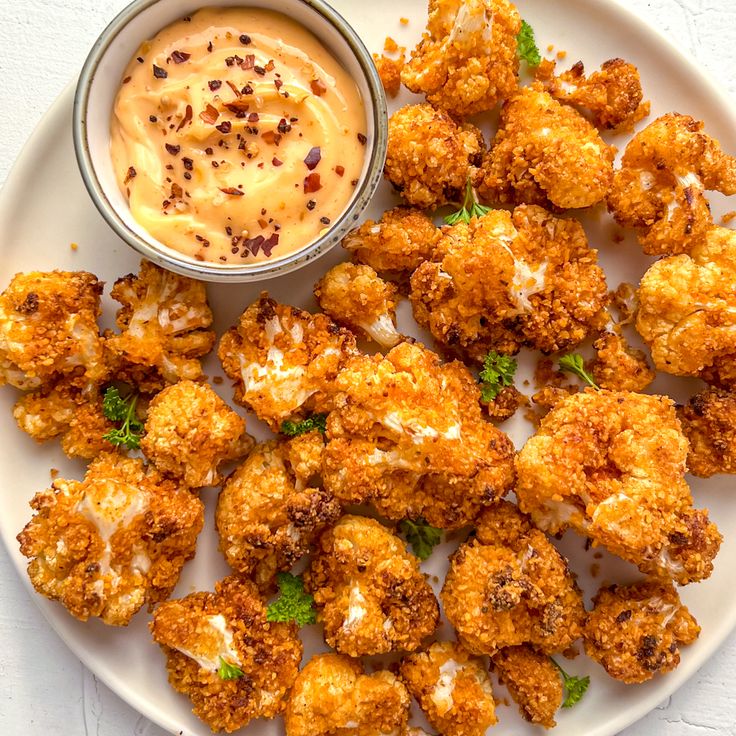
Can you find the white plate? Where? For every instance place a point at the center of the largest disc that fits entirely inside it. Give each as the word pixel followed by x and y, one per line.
pixel 44 208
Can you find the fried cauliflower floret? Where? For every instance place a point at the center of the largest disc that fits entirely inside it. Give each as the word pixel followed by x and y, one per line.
pixel 505 280
pixel 398 242
pixel 408 436
pixel 204 634
pixel 368 589
pixel 634 631
pixel 611 465
pixel 358 298
pixel 619 367
pixel 117 540
pixel 430 157
pixel 190 431
pixel 510 586
pixel 389 70
pixel 165 327
pixel 687 311
pixel 660 188
pixel 271 509
pixel 284 360
pixel 533 682
pixel 48 328
pixel 466 62
pixel 545 152
pixel 452 688
pixel 333 696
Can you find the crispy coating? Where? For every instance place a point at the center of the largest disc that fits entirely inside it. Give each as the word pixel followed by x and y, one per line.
pixel 165 328
pixel 284 360
pixel 333 696
pixel 389 70
pixel 398 242
pixel 452 688
pixel 408 435
pixel 190 431
pixel 358 298
pixel 687 311
pixel 545 152
pixel 709 423
pixel 634 631
pixel 271 509
pixel 117 540
pixel 506 280
pixel 368 589
pixel 430 157
pixel 660 188
pixel 466 62
pixel 619 367
pixel 510 586
pixel 532 681
pixel 48 328
pixel 197 633
pixel 504 406
pixel 611 465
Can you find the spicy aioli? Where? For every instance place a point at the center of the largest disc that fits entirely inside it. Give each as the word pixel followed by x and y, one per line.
pixel 236 136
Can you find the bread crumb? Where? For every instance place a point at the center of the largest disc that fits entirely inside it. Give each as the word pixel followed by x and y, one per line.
pixel 562 55
pixel 728 217
pixel 404 21
pixel 550 48
pixel 218 380
pixel 390 46
pixel 54 473
pixel 74 246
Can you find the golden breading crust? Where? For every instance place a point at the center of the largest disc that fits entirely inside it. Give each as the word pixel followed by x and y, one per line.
pixel 611 465
pixel 430 157
pixel 709 423
pixel 505 280
pixel 117 540
pixel 284 360
pixel 634 631
pixel 533 682
pixel 687 311
pixel 452 688
pixel 660 188
pixel 48 328
pixel 190 431
pixel 408 436
pixel 619 367
pixel 389 70
pixel 504 406
pixel 201 631
pixel 369 592
pixel 545 152
pixel 466 62
pixel 271 510
pixel 333 696
pixel 358 298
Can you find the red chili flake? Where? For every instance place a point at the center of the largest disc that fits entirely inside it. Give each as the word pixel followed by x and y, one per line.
pixel 286 95
pixel 263 223
pixel 153 118
pixel 179 57
pixel 318 87
pixel 187 18
pixel 215 165
pixel 276 162
pixel 176 191
pixel 271 137
pixel 283 127
pixel 187 118
pixel 165 204
pixel 253 245
pixel 159 73
pixel 362 139
pixel 247 90
pixel 187 176
pixel 188 163
pixel 208 151
pixel 214 84
pixel 235 90
pixel 173 150
pixel 232 191
pixel 245 39
pixel 263 210
pixel 270 244
pixel 313 158
pixel 169 167
pixel 225 126
pixel 249 62
pixel 209 115
pixel 354 182
pixel 311 205
pixel 233 60
pixel 253 117
pixel 278 83
pixel 140 59
pixel 238 107
pixel 270 66
pixel 312 183
pixel 210 47
pixel 259 70
pixel 127 79
pixel 130 175
pixel 324 220
pixel 339 170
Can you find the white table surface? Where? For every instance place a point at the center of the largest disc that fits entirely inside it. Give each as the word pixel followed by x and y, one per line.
pixel 44 689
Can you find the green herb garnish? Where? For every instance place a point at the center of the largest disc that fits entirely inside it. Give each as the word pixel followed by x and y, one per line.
pixel 527 46
pixel 229 671
pixel 498 372
pixel 470 208
pixel 293 604
pixel 575 687
pixel 573 363
pixel 421 536
pixel 122 410
pixel 294 429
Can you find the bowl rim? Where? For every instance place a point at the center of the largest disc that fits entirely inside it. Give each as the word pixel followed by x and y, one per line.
pixel 210 270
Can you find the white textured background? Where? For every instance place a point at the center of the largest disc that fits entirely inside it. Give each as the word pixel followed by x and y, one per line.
pixel 44 690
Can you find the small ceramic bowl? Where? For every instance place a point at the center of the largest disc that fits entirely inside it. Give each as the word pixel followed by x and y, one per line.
pixel 93 105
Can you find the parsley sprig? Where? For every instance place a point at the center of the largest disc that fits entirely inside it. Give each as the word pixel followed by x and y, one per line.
pixel 498 372
pixel 527 46
pixel 575 687
pixel 229 671
pixel 121 409
pixel 294 429
pixel 574 363
pixel 293 604
pixel 422 537
pixel 470 207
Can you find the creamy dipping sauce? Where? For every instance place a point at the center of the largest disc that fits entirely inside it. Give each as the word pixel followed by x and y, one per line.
pixel 236 136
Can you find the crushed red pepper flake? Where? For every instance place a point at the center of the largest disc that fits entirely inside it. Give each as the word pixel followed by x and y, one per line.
pixel 271 137
pixel 311 204
pixel 172 149
pixel 132 173
pixel 339 170
pixel 232 191
pixel 270 66
pixel 278 83
pixel 318 87
pixel 312 183
pixel 247 90
pixel 248 63
pixel 188 163
pixel 283 127
pixel 235 90
pixel 362 139
pixel 259 70
pixel 209 115
pixel 276 162
pixel 179 57
pixel 159 73
pixel 225 126
pixel 253 117
pixel 324 220
pixel 127 79
pixel 245 39
pixel 187 117
pixel 313 158
pixel 176 191
pixel 214 84
pixel 153 118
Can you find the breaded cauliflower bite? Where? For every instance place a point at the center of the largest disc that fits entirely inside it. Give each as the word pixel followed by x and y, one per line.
pixel 660 188
pixel 505 280
pixel 370 595
pixel 619 367
pixel 225 656
pixel 510 586
pixel 466 62
pixel 48 328
pixel 545 152
pixel 430 157
pixel 611 465
pixel 709 423
pixel 397 243
pixel 634 631
pixel 408 436
pixel 533 682
pixel 687 311
pixel 271 509
pixel 190 431
pixel 165 327
pixel 453 689
pixel 358 298
pixel 284 360
pixel 117 540
pixel 333 696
